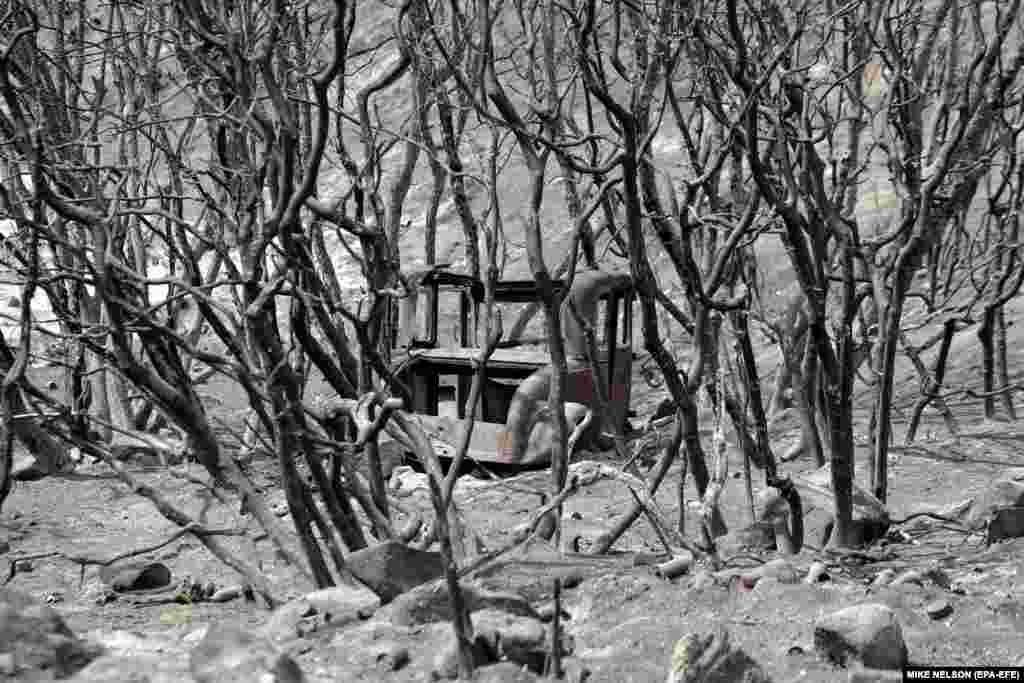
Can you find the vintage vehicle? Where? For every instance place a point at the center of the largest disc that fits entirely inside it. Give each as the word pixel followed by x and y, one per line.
pixel 511 431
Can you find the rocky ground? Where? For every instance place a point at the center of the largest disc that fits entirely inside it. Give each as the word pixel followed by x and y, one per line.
pixel 930 593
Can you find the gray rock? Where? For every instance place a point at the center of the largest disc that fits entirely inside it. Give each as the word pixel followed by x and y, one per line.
pixel 231 655
pixel 574 670
pixel 429 603
pixel 392 568
pixel 1005 524
pixel 1005 491
pixel 712 659
pixel 911 576
pixel 343 604
pixel 522 640
pixel 908 587
pixel 780 569
pixel 938 609
pixel 226 594
pixel 135 576
pixel 883 578
pixel 26 468
pixel 546 612
pixel 446 664
pixel 703 579
pixel 288 621
pixel 504 628
pixel 38 641
pixel 869 634
pixel 817 573
pixel 335 606
pixel 392 657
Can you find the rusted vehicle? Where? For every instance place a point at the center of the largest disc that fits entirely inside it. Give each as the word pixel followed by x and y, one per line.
pixel 512 430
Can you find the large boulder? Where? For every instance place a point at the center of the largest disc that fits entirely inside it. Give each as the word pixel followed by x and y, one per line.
pixel 392 568
pixel 522 640
pixel 335 606
pixel 867 634
pixel 35 641
pixel 446 662
pixel 430 603
pixel 1000 506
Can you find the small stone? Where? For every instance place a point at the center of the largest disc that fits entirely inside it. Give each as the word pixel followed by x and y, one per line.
pixel 392 658
pixel 5 547
pixel 779 569
pixel 574 670
pixel 939 577
pixel 909 587
pixel 643 559
pixel 227 594
pixel 519 639
pixel 910 576
pixel 938 609
pixel 868 633
pixel 817 573
pixel 195 636
pixel 702 580
pixel 546 613
pixel 572 579
pixel 883 578
pixel 7 667
pixel 446 664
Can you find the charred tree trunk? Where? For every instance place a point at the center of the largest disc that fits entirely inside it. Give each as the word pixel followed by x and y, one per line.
pixel 932 385
pixel 986 335
pixel 1002 370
